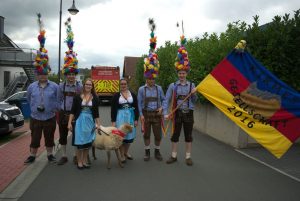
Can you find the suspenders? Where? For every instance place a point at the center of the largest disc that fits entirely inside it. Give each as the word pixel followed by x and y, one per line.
pixel 150 99
pixel 68 93
pixel 181 97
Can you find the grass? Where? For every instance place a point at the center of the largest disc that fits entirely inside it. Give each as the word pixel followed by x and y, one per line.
pixel 6 138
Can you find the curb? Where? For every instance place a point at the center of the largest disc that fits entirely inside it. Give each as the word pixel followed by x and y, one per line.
pixel 23 181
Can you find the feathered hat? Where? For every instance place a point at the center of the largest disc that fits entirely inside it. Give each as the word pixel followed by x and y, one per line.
pixel 151 63
pixel 70 60
pixel 41 60
pixel 182 59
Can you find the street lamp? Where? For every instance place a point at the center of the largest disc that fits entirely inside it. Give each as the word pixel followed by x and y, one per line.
pixel 73 11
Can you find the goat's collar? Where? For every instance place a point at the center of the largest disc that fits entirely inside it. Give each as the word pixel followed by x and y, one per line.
pixel 119 133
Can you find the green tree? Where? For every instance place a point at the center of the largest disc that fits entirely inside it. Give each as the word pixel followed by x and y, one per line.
pixel 275 45
pixel 53 77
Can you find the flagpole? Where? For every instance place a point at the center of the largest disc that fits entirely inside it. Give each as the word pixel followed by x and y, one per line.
pixel 178 106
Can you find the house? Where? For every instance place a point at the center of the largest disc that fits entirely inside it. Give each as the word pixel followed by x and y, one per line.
pixel 83 74
pixel 16 65
pixel 129 67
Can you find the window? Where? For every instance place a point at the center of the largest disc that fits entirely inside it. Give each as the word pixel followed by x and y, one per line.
pixel 6 78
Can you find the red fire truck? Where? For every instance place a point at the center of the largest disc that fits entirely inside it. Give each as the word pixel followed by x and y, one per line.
pixel 106 80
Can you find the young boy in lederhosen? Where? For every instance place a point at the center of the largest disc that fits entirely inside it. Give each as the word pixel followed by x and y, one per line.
pixel 184 117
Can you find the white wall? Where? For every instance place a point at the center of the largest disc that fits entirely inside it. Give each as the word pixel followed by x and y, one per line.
pixel 14 72
pixel 211 121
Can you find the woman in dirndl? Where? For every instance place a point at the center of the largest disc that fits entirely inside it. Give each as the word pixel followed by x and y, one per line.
pixel 124 109
pixel 86 115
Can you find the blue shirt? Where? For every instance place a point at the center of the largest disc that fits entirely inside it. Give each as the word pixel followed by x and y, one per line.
pixel 75 88
pixel 47 97
pixel 150 92
pixel 182 90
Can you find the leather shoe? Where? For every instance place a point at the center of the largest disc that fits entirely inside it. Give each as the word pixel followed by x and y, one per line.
pixel 147 155
pixel 62 160
pixel 158 155
pixel 171 160
pixel 189 161
pixel 51 158
pixel 29 160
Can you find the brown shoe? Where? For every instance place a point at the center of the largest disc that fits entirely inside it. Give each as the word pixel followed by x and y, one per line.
pixel 171 160
pixel 62 160
pixel 189 161
pixel 158 155
pixel 147 155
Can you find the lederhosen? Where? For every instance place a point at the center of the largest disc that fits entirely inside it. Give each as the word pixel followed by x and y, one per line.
pixel 152 117
pixel 64 116
pixel 183 117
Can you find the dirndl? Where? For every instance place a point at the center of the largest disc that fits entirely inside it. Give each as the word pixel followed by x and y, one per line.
pixel 126 115
pixel 85 132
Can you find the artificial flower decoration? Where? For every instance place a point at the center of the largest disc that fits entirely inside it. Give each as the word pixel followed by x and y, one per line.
pixel 70 60
pixel 182 59
pixel 151 63
pixel 41 60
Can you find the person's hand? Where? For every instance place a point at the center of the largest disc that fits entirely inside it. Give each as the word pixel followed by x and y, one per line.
pixel 159 110
pixel 70 127
pixel 135 123
pixel 167 117
pixel 193 91
pixel 142 118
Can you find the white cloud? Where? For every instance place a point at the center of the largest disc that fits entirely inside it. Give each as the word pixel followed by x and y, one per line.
pixel 106 31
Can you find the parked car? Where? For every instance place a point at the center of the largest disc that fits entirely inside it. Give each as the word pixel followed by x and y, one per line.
pixel 11 118
pixel 16 98
pixel 20 100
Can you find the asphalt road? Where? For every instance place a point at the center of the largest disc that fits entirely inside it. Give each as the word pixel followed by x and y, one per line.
pixel 219 174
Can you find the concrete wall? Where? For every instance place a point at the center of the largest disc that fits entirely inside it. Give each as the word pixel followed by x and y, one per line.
pixel 211 121
pixel 14 72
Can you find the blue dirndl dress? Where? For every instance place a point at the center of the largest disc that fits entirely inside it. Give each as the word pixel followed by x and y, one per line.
pixel 126 115
pixel 85 132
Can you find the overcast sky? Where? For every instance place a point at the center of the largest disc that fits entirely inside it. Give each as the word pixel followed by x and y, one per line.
pixel 107 30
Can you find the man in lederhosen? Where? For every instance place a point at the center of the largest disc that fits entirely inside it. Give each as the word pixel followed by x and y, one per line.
pixel 68 89
pixel 150 98
pixel 178 92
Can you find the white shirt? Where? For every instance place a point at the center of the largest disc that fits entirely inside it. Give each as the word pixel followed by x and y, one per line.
pixel 122 100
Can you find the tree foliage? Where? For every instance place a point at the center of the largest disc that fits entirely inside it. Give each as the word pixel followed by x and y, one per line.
pixel 53 77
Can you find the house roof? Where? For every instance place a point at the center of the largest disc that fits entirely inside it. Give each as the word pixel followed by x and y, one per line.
pixel 129 66
pixel 7 42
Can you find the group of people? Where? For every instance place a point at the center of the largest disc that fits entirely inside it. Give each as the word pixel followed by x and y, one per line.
pixel 152 107
pixel 72 104
pixel 75 106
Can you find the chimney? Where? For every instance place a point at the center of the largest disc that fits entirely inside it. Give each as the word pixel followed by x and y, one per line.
pixel 1 27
